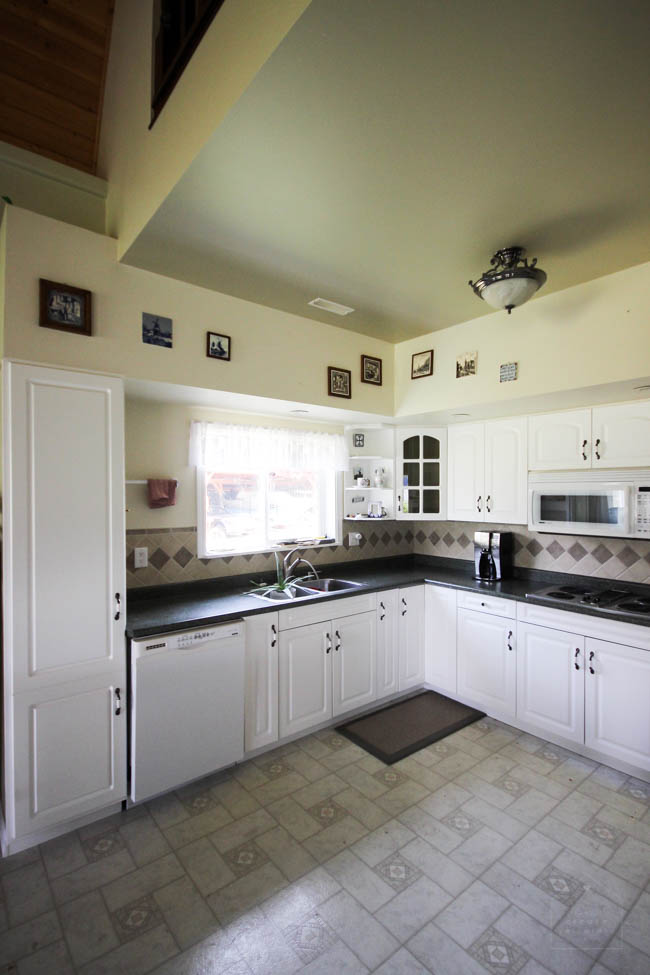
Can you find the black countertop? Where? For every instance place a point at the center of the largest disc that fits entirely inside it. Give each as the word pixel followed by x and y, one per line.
pixel 180 606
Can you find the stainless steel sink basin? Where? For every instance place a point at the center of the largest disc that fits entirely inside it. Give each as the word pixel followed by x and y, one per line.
pixel 331 585
pixel 285 595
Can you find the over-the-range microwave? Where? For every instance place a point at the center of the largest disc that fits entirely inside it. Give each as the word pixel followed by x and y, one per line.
pixel 614 503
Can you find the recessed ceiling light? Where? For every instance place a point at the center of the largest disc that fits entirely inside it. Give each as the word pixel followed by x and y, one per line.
pixel 461 414
pixel 332 306
pixel 647 386
pixel 298 411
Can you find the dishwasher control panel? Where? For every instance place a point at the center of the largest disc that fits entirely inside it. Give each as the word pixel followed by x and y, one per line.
pixel 184 639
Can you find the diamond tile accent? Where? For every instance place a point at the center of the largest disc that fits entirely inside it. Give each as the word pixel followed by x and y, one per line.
pixel 434 538
pixel 577 551
pixel 374 538
pixel 628 556
pixel 602 554
pixel 448 539
pixel 603 833
pixel 310 937
pixel 462 824
pixel 159 558
pixel 534 547
pixel 559 885
pixel 397 872
pixel 420 536
pixel 498 954
pixel 182 556
pixel 136 918
pixel 463 540
pixel 390 777
pixel 245 858
pixel 408 537
pixel 385 538
pixel 327 812
pixel 275 770
pixel 555 549
pixel 104 845
pixel 512 786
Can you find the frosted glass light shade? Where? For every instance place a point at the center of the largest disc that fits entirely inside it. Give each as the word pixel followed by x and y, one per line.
pixel 509 293
pixel 510 281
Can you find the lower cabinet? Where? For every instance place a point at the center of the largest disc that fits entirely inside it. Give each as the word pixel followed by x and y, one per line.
pixel 387 643
pixel 325 669
pixel 440 637
pixel 70 751
pixel 487 662
pixel 617 701
pixel 411 637
pixel 550 680
pixel 261 688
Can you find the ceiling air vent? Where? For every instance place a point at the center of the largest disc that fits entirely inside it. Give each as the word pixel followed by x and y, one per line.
pixel 332 306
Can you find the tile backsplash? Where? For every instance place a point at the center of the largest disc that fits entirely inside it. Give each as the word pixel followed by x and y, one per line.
pixel 173 558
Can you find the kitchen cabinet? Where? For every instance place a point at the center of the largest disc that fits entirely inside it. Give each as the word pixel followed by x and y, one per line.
pixel 372 458
pixel 559 441
pixel 621 435
pixel 487 666
pixel 487 471
pixel 387 643
pixel 421 480
pixel 411 637
pixel 550 680
pixel 617 692
pixel 64 588
pixel 354 670
pixel 261 686
pixel 440 637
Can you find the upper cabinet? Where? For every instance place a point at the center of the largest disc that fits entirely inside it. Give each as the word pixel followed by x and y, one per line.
pixel 420 474
pixel 487 471
pixel 605 436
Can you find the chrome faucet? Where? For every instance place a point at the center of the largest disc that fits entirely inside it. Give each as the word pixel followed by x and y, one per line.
pixel 288 569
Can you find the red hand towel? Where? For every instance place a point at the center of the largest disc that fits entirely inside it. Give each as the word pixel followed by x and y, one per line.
pixel 162 492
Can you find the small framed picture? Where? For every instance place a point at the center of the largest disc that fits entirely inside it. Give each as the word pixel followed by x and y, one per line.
pixel 218 346
pixel 466 364
pixel 65 308
pixel 339 382
pixel 371 370
pixel 359 439
pixel 422 364
pixel 157 330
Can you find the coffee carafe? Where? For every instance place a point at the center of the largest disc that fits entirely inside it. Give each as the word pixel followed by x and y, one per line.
pixel 492 555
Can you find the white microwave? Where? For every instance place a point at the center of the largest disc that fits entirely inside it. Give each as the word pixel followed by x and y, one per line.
pixel 612 503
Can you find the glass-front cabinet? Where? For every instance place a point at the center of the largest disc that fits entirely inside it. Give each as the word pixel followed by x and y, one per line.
pixel 421 474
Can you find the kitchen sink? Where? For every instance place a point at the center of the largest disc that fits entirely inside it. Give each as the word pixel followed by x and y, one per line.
pixel 332 585
pixel 285 595
pixel 314 587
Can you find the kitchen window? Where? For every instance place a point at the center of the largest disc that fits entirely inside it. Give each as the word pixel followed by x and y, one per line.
pixel 261 488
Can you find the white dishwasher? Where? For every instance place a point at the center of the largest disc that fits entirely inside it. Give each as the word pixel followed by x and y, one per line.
pixel 187 706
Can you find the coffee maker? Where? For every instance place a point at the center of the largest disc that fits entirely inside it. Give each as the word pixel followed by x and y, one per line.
pixel 492 555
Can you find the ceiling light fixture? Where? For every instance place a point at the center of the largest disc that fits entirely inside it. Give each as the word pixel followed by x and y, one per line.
pixel 511 280
pixel 332 306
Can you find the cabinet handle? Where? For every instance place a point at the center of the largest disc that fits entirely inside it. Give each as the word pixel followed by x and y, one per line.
pixel 405 606
pixel 382 605
pixel 118 698
pixel 584 449
pixel 478 503
pixel 509 639
pixel 487 503
pixel 273 631
pixel 591 657
pixel 329 647
pixel 117 606
pixel 338 637
pixel 597 445
pixel 382 617
pixel 575 658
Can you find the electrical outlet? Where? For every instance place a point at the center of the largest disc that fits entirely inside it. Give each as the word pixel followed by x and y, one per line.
pixel 354 538
pixel 141 557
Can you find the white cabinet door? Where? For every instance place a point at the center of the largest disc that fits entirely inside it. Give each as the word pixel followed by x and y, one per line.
pixel 466 464
pixel 559 441
pixel 506 471
pixel 354 674
pixel 420 475
pixel 487 667
pixel 261 694
pixel 64 510
pixel 617 711
pixel 411 637
pixel 305 677
pixel 621 435
pixel 387 642
pixel 550 680
pixel 440 637
pixel 69 750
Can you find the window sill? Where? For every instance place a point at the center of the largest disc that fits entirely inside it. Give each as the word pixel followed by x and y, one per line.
pixel 301 546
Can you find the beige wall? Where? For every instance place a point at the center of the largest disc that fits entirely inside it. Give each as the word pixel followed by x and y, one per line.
pixel 142 164
pixel 592 334
pixel 274 354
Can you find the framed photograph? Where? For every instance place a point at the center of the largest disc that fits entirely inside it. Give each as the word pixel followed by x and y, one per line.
pixel 65 308
pixel 466 364
pixel 371 370
pixel 218 346
pixel 422 364
pixel 339 382
pixel 359 439
pixel 156 330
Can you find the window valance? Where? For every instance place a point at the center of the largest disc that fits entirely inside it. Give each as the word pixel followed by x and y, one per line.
pixel 237 447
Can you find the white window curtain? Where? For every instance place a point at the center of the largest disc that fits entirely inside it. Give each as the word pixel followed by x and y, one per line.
pixel 234 447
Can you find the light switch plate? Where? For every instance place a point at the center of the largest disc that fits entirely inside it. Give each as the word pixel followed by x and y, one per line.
pixel 141 557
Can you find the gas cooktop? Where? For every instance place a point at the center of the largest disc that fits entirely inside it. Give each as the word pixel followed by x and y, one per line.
pixel 617 600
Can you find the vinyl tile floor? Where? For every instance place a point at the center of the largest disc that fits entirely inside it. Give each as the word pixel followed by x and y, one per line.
pixel 490 851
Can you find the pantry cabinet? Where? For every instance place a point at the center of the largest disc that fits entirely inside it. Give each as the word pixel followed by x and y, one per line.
pixel 261 687
pixel 440 638
pixel 550 680
pixel 411 637
pixel 487 471
pixel 617 692
pixel 420 474
pixel 387 643
pixel 487 666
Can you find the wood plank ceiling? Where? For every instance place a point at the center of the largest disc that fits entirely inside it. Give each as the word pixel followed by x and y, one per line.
pixel 53 56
